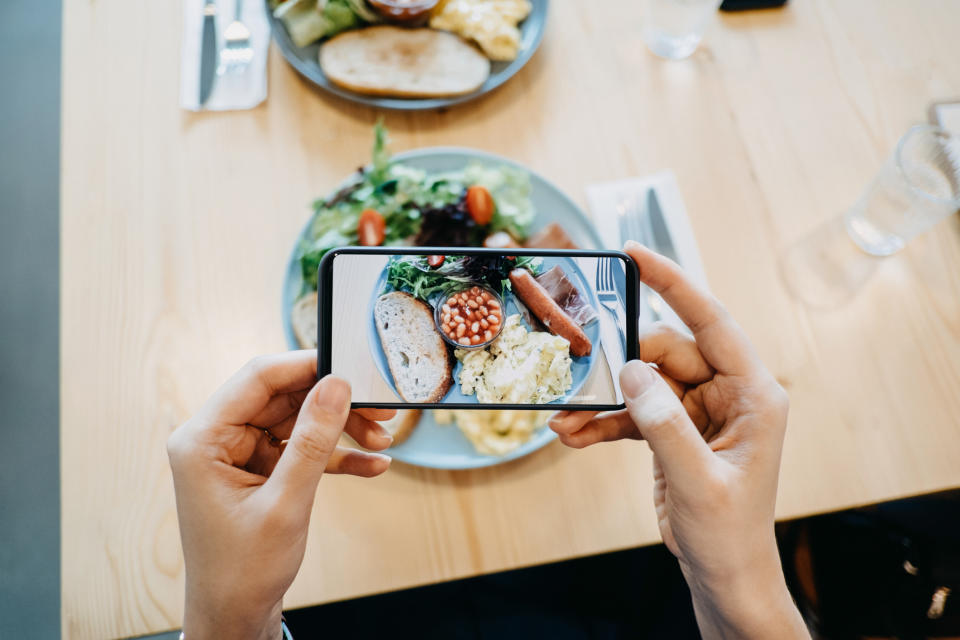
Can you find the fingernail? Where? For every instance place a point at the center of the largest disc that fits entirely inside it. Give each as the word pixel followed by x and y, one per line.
pixel 334 394
pixel 635 378
pixel 631 244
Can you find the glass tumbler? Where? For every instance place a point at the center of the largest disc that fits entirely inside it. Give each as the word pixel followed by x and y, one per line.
pixel 673 28
pixel 918 186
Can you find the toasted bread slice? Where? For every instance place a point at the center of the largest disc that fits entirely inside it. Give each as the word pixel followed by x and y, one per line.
pixel 403 424
pixel 303 317
pixel 407 63
pixel 416 354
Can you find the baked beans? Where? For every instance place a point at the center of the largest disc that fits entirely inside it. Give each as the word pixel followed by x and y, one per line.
pixel 471 316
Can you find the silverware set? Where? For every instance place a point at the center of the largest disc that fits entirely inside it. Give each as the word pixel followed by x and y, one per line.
pixel 233 58
pixel 647 226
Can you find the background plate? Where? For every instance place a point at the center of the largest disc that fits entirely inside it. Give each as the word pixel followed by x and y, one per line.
pixel 443 446
pixel 306 61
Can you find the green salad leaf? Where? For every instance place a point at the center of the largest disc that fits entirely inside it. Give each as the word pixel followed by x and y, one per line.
pixel 309 20
pixel 402 194
pixel 412 273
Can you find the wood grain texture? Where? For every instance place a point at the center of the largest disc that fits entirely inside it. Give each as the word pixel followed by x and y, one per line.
pixel 176 228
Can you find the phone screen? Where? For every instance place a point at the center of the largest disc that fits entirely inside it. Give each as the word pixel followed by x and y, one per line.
pixel 478 328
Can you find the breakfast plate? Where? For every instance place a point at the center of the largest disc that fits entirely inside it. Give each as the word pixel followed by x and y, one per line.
pixel 306 61
pixel 580 369
pixel 431 444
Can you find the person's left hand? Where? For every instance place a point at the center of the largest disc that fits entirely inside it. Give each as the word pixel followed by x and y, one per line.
pixel 245 472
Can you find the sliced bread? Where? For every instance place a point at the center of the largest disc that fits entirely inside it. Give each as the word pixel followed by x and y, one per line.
pixel 407 63
pixel 303 317
pixel 403 424
pixel 416 354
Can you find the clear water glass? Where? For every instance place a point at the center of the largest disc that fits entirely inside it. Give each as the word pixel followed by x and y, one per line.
pixel 918 186
pixel 673 28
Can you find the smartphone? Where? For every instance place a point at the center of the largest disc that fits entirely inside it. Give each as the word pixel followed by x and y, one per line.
pixel 456 328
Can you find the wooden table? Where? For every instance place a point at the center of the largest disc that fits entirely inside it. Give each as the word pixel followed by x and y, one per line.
pixel 176 228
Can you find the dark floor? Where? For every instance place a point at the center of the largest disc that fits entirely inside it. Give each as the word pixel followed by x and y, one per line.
pixel 631 594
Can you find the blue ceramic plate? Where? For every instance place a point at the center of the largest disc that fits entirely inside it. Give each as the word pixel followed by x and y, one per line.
pixel 580 369
pixel 306 61
pixel 443 446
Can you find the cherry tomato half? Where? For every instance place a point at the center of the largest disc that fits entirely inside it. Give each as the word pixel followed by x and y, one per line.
pixel 480 204
pixel 435 261
pixel 371 228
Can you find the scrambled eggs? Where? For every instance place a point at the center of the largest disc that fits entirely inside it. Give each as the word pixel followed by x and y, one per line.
pixel 491 23
pixel 494 432
pixel 519 367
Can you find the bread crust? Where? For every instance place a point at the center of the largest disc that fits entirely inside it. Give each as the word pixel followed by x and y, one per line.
pixel 403 424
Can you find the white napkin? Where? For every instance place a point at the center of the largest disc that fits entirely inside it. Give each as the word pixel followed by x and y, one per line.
pixel 230 91
pixel 603 199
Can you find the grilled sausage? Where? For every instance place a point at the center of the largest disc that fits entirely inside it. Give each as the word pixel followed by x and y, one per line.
pixel 532 294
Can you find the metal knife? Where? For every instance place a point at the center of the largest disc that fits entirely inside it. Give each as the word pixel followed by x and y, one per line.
pixel 611 342
pixel 662 243
pixel 208 51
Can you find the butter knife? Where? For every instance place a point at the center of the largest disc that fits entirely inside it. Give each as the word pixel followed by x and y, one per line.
pixel 208 51
pixel 662 242
pixel 613 348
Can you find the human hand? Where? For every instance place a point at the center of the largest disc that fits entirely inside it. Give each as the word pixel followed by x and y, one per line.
pixel 714 418
pixel 245 471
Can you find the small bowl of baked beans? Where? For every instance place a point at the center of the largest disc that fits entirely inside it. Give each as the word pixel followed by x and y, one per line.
pixel 471 318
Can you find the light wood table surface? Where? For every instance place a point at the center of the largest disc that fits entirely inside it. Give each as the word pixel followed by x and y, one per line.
pixel 176 228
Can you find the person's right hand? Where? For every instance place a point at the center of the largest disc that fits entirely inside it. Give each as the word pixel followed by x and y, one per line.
pixel 714 418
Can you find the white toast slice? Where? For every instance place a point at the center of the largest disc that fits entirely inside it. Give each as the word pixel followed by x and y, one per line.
pixel 418 357
pixel 408 63
pixel 303 317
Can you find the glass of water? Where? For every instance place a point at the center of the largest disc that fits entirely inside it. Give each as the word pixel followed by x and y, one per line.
pixel 918 186
pixel 673 28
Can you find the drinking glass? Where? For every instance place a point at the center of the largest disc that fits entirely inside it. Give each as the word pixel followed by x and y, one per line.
pixel 918 186
pixel 673 28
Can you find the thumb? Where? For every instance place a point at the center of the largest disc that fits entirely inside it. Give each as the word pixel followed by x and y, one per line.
pixel 315 435
pixel 662 421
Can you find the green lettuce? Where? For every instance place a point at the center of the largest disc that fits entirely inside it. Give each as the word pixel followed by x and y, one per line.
pixel 400 193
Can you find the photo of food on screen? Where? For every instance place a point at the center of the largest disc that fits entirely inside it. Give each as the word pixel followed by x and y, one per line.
pixel 478 329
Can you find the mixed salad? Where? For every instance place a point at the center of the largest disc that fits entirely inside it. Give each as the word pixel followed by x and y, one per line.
pixel 391 203
pixel 427 276
pixel 310 20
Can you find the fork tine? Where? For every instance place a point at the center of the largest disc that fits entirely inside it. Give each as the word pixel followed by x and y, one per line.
pixel 601 275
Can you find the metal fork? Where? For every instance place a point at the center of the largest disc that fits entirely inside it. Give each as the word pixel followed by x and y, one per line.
pixel 633 226
pixel 607 295
pixel 237 52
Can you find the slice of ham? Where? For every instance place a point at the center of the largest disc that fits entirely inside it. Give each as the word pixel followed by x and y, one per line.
pixel 551 236
pixel 565 294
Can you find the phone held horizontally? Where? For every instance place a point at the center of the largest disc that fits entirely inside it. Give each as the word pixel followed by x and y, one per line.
pixel 477 328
